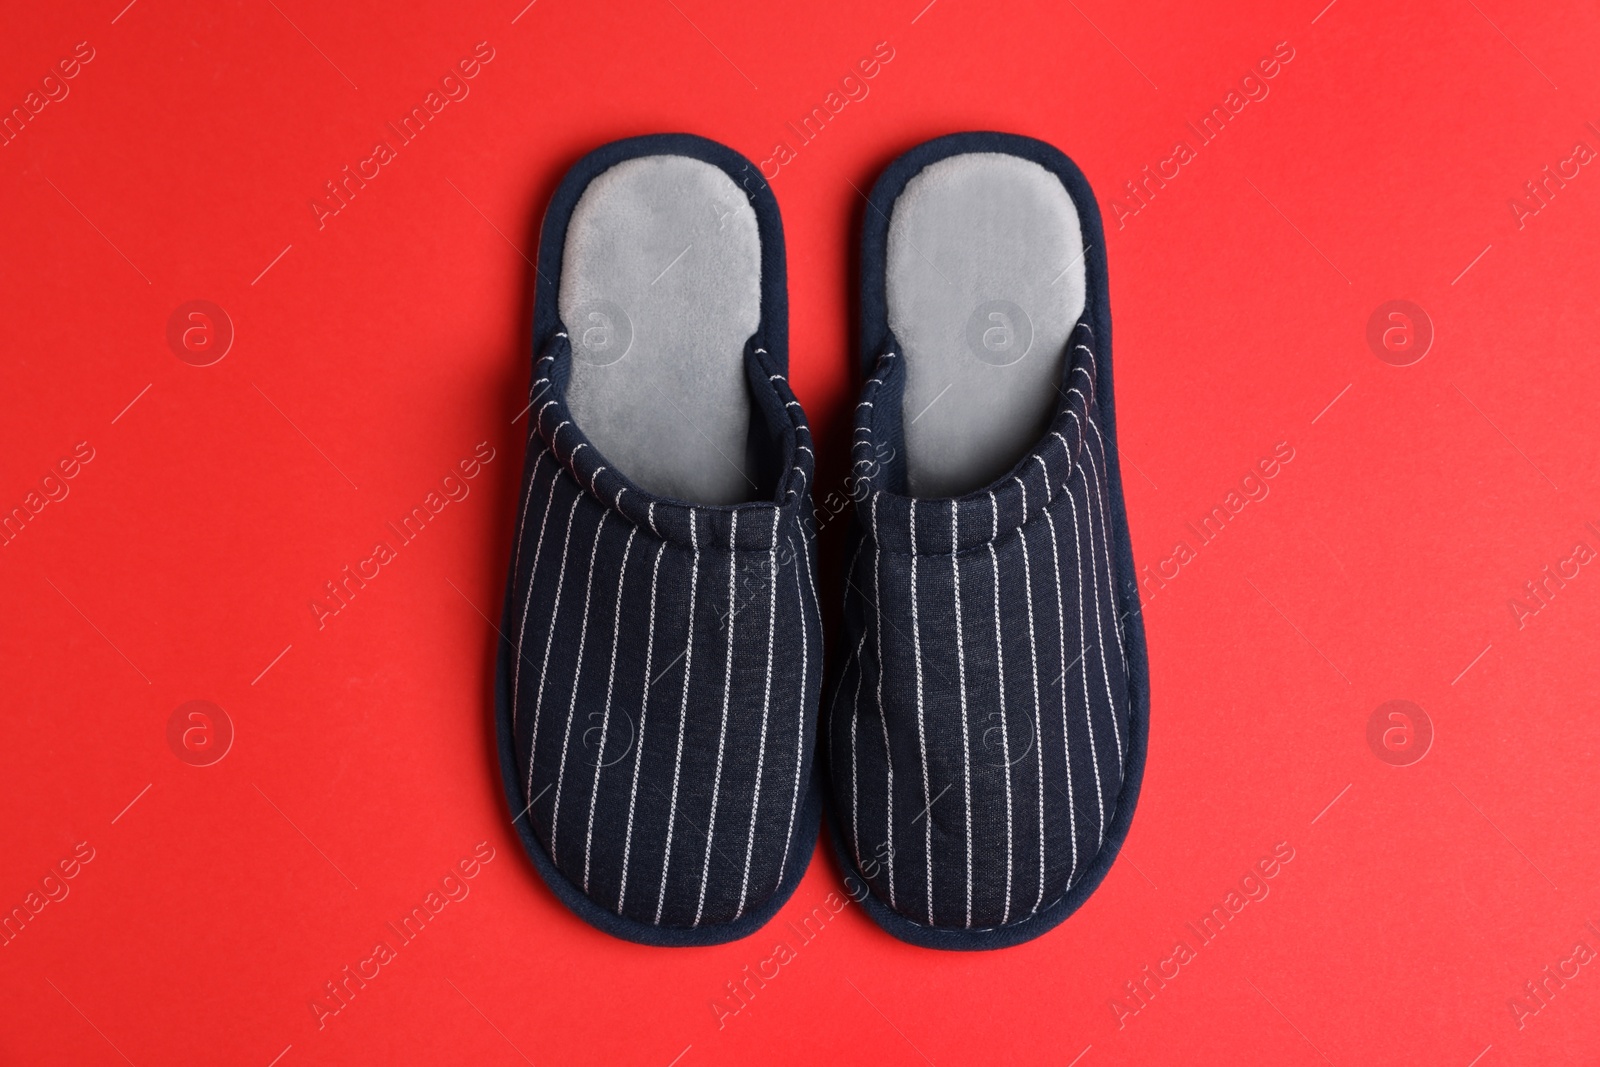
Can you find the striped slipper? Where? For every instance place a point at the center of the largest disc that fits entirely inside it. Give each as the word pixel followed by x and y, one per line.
pixel 659 673
pixel 986 732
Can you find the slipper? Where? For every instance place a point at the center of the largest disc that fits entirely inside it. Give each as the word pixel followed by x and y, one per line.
pixel 987 729
pixel 661 654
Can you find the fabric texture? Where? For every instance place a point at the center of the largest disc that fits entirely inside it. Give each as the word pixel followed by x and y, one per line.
pixel 965 230
pixel 661 660
pixel 986 726
pixel 661 289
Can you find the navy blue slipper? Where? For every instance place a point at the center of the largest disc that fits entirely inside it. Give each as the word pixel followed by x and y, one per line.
pixel 986 730
pixel 661 655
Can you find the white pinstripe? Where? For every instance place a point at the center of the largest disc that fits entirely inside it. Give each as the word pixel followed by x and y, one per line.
pixel 1033 659
pixel 1072 459
pixel 961 675
pixel 766 706
pixel 855 715
pixel 883 718
pixel 1066 746
pixel 1089 351
pixel 722 732
pixel 555 614
pixel 683 710
pixel 1099 630
pixel 644 714
pixel 1083 655
pixel 577 676
pixel 855 774
pixel 1089 378
pixel 1005 732
pixel 833 705
pixel 1105 542
pixel 516 670
pixel 922 735
pixel 811 577
pixel 800 725
pixel 605 716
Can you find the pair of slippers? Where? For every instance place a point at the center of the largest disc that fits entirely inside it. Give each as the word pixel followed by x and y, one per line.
pixel 658 687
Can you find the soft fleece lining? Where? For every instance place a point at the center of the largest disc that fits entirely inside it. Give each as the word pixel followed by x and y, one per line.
pixel 985 280
pixel 657 681
pixel 661 288
pixel 988 720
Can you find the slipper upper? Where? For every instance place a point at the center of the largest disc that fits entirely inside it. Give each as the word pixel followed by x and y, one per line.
pixel 979 727
pixel 663 670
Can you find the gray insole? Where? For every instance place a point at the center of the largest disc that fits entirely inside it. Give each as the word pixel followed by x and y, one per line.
pixel 660 290
pixel 985 281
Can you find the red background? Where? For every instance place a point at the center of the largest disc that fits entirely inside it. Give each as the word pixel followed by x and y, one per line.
pixel 377 351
